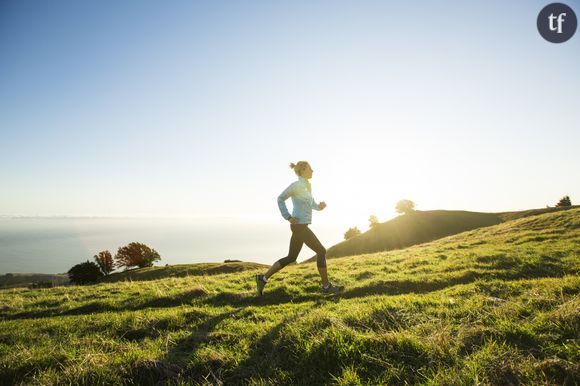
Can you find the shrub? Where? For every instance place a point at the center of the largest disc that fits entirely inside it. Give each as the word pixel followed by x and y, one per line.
pixel 564 201
pixel 104 260
pixel 136 255
pixel 405 206
pixel 83 273
pixel 351 232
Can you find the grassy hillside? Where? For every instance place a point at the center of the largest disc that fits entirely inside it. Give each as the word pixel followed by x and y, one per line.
pixel 10 280
pixel 496 305
pixel 181 270
pixel 508 216
pixel 423 226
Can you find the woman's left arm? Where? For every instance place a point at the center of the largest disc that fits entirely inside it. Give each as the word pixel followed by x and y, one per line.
pixel 316 206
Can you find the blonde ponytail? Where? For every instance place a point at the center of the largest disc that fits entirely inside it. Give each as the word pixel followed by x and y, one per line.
pixel 298 167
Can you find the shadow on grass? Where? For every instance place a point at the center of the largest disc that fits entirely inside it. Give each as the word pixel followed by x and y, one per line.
pixel 273 297
pixel 157 327
pixel 278 356
pixel 155 372
pixel 546 267
pixel 399 287
pixel 20 373
pixel 264 360
pixel 99 306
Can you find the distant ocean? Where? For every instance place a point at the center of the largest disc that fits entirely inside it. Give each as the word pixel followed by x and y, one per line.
pixel 54 245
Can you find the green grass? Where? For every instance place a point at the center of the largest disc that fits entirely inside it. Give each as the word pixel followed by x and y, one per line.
pixel 496 305
pixel 181 270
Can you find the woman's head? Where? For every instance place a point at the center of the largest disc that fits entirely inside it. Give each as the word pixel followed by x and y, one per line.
pixel 302 169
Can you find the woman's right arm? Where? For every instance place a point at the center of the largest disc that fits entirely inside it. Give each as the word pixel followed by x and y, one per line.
pixel 287 193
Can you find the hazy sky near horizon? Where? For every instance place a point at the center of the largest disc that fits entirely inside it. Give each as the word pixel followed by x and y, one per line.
pixel 195 108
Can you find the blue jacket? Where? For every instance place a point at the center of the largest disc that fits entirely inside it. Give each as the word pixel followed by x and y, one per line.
pixel 302 201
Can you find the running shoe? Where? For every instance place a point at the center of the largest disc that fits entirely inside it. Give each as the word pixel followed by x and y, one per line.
pixel 333 289
pixel 260 284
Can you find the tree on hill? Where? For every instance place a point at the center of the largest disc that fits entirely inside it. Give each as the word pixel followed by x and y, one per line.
pixel 136 255
pixel 104 260
pixel 564 201
pixel 405 206
pixel 351 232
pixel 83 273
pixel 373 221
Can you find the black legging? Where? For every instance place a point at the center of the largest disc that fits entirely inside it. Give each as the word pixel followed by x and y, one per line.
pixel 301 234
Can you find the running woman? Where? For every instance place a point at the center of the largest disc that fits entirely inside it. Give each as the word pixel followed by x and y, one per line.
pixel 303 203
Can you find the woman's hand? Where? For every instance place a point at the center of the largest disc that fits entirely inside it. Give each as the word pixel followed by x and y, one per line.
pixel 293 220
pixel 322 205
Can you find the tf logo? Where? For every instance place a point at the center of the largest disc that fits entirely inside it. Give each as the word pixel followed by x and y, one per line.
pixel 557 22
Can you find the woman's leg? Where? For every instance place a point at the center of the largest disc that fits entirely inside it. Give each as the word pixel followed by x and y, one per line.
pixel 273 269
pixel 313 243
pixel 296 243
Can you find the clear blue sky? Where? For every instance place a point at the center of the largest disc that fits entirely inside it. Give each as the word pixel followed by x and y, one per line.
pixel 195 108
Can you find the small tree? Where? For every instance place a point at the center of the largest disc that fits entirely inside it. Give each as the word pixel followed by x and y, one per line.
pixel 104 260
pixel 136 255
pixel 564 201
pixel 405 206
pixel 351 232
pixel 83 273
pixel 373 221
